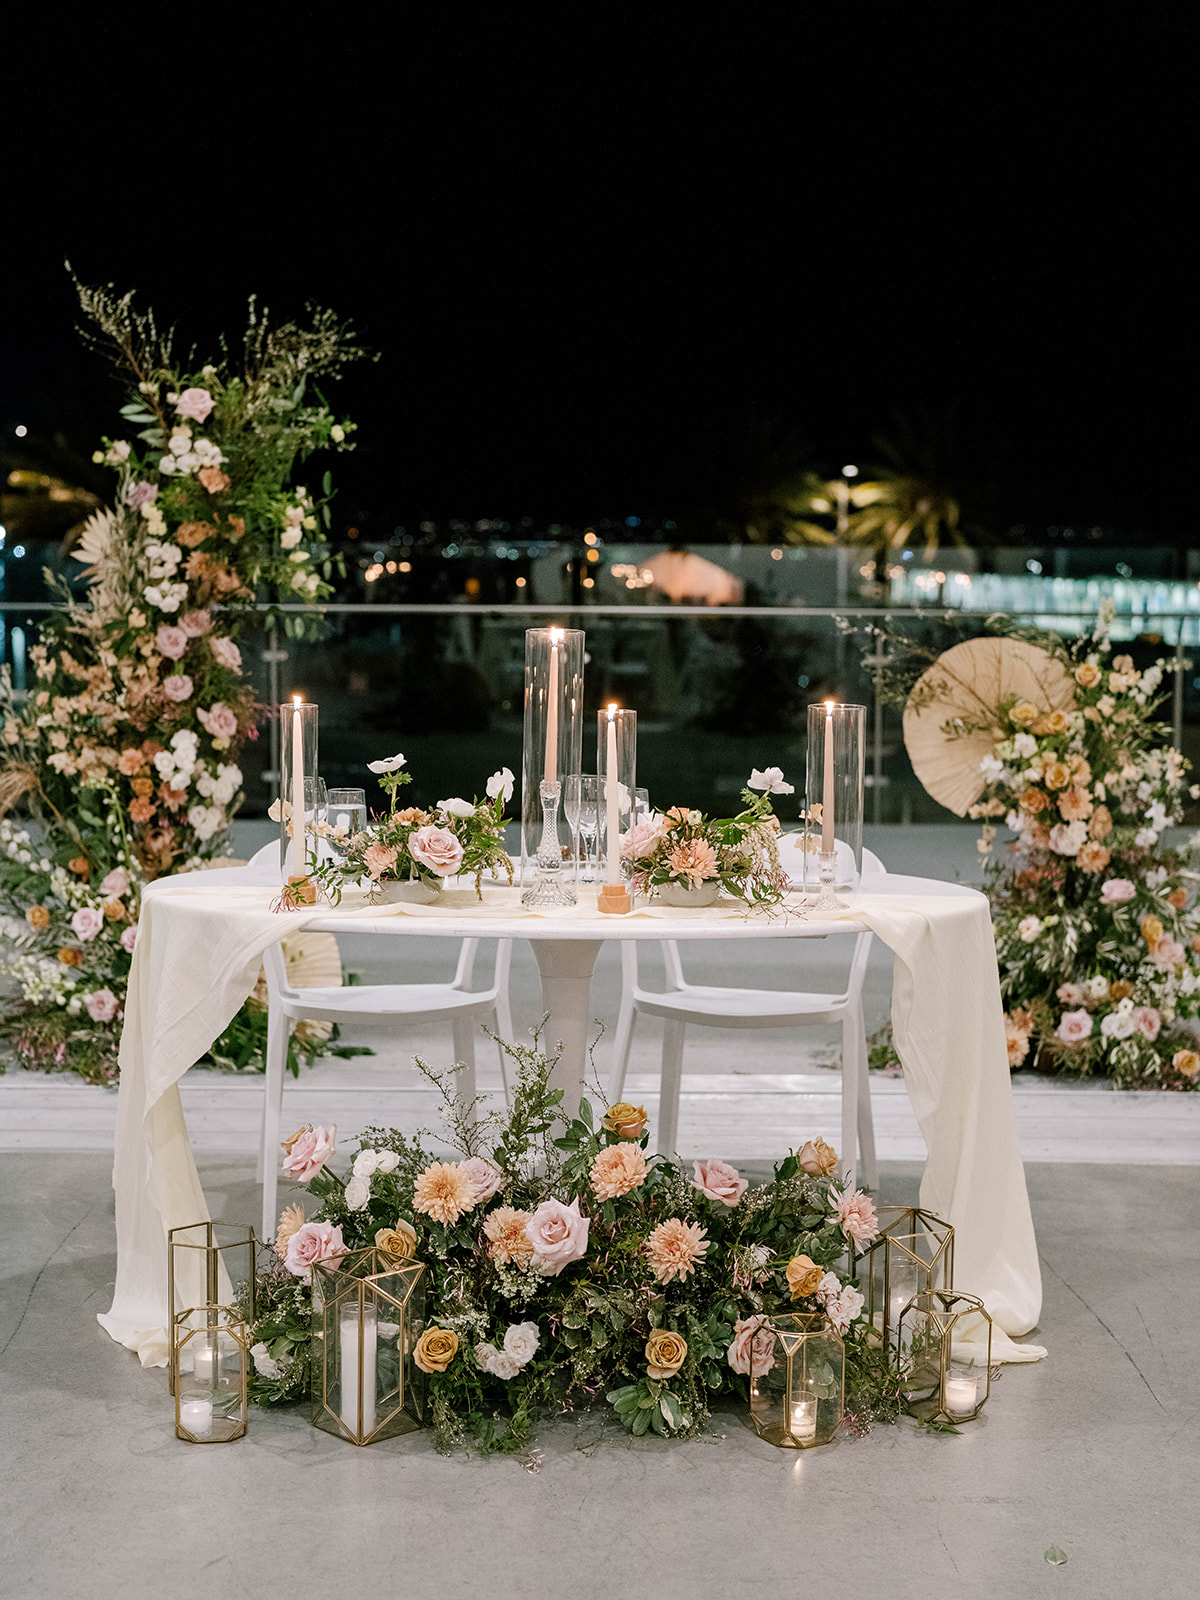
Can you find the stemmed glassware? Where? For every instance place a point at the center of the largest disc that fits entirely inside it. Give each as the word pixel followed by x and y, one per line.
pixel 346 809
pixel 583 818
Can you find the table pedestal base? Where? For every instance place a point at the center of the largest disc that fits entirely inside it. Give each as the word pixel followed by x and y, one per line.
pixel 566 968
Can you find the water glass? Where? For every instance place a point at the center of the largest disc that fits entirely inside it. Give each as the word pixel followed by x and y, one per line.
pixel 345 809
pixel 583 818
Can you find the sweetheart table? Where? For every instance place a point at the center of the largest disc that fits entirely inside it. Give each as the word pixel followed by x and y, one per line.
pixel 198 955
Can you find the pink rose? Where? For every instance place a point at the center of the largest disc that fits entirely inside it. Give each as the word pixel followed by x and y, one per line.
pixel 378 859
pixel 138 495
pixel 719 1181
pixel 115 884
pixel 308 1151
pixel 1074 1027
pixel 195 404
pixel 1147 1021
pixel 484 1174
pixel 220 721
pixel 129 938
pixel 196 624
pixel 1167 953
pixel 437 849
pixel 558 1234
pixel 856 1213
pixel 87 922
pixel 1071 994
pixel 314 1241
pixel 178 687
pixel 640 839
pixel 102 1005
pixel 226 654
pixel 171 642
pixel 1114 890
pixel 753 1347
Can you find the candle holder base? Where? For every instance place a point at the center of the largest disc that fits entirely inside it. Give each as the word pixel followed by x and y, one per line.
pixel 827 899
pixel 298 894
pixel 613 901
pixel 548 888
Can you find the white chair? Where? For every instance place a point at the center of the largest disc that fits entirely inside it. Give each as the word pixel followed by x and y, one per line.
pixel 455 1002
pixel 681 1003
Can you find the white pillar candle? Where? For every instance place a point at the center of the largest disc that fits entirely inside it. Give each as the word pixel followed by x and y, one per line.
pixel 827 784
pixel 197 1417
pixel 961 1394
pixel 803 1419
pixel 551 762
pixel 296 848
pixel 612 796
pixel 353 1377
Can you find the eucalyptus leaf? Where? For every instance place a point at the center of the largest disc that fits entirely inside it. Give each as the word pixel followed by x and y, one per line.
pixel 1056 1557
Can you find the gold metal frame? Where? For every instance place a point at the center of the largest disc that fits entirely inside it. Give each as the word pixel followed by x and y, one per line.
pixel 211 1324
pixel 198 1255
pixel 926 1335
pixel 353 1293
pixel 813 1357
pixel 913 1253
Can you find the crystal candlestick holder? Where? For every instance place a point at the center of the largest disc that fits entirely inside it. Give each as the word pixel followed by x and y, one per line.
pixel 548 887
pixel 827 899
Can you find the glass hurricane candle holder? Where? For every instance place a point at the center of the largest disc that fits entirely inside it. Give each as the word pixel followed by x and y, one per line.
pixel 368 1313
pixel 939 1386
pixel 835 796
pixel 552 752
pixel 797 1402
pixel 209 1264
pixel 616 756
pixel 912 1254
pixel 210 1357
pixel 298 763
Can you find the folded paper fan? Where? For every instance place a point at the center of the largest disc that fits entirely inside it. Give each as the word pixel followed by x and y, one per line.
pixel 951 721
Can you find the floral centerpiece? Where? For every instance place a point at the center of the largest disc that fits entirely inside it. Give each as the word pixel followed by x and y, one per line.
pixel 419 846
pixel 685 850
pixel 574 1270
pixel 126 748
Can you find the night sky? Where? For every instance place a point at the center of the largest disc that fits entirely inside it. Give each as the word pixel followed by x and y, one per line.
pixel 610 274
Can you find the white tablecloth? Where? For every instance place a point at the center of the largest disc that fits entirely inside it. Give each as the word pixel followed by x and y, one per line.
pixel 198 956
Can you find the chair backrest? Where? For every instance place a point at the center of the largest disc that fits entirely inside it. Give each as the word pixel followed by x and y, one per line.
pixel 261 869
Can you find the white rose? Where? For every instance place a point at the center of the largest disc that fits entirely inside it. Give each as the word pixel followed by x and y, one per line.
pixel 1145 838
pixel 189 462
pixel 1029 928
pixel 366 1162
pixel 386 1161
pixel 265 1365
pixel 181 442
pixel 164 763
pixel 166 465
pixel 1025 745
pixel 290 538
pixel 205 820
pixel 358 1192
pixel 337 433
pixel 118 451
pixel 1117 1024
pixel 457 807
pixel 521 1341
pixel 1097 987
pixel 207 453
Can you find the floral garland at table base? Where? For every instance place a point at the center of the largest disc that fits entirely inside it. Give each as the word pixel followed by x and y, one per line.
pixel 574 1270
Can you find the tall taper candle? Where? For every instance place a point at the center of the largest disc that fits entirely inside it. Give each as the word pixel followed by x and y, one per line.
pixel 296 847
pixel 827 784
pixel 550 772
pixel 612 790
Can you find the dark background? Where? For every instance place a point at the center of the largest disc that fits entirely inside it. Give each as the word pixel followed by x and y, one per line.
pixel 626 266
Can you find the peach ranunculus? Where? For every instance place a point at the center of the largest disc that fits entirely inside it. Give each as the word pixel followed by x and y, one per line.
pixel 484 1174
pixel 719 1181
pixel 1076 805
pixel 508 1242
pixel 753 1349
pixel 693 859
pixel 1093 857
pixel 625 1120
pixel 856 1213
pixel 313 1241
pixel 307 1151
pixel 436 1349
pixel 1186 1062
pixel 444 1192
pixel 213 479
pixel 1114 891
pixel 618 1169
pixel 190 534
pixel 437 850
pixel 675 1247
pixel 140 811
pixel 1101 824
pixel 803 1276
pixel 1016 1040
pixel 399 1242
pixel 1177 898
pixel 129 762
pixel 1087 675
pixel 1074 1027
pixel 37 917
pixel 1057 775
pixel 379 859
pixel 817 1158
pixel 1022 714
pixel 291 1218
pixel 558 1234
pixel 665 1353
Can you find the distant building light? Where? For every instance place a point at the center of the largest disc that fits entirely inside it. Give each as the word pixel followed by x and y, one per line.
pixel 391 566
pixel 404 566
pixel 587 583
pixel 1034 566
pixel 373 572
pixel 803 680
pixel 589 537
pixel 776 555
pixel 850 472
pixel 21 430
pixel 593 555
pixel 18 551
pixel 520 583
pixel 906 555
pixel 633 522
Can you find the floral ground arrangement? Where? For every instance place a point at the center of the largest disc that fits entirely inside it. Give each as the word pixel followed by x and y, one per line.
pixel 125 750
pixel 1096 920
pixel 572 1271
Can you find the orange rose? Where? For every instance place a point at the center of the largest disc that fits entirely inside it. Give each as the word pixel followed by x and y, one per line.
pixel 1101 824
pixel 80 867
pixel 803 1276
pixel 665 1353
pixel 1022 714
pixel 1033 801
pixel 437 1347
pixel 625 1120
pixel 37 917
pixel 70 957
pixel 213 479
pixel 143 787
pixel 193 533
pixel 1177 898
pixel 114 911
pixel 1186 1062
pixel 1057 775
pixel 1121 990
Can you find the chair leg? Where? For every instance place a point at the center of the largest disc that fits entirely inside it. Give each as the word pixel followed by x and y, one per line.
pixel 504 1022
pixel 668 1092
pixel 622 1044
pixel 464 1056
pixel 279 1030
pixel 850 1087
pixel 866 1119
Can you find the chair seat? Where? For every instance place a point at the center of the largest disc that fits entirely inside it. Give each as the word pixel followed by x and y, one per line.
pixel 741 1008
pixel 413 1001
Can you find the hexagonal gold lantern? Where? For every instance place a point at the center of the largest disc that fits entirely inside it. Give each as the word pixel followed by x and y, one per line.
pixel 912 1254
pixel 797 1402
pixel 368 1313
pixel 940 1385
pixel 210 1356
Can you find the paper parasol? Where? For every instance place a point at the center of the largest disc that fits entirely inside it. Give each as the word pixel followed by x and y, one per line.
pixel 969 681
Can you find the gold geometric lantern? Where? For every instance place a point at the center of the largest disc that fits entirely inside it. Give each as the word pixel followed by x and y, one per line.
pixel 797 1402
pixel 210 1285
pixel 912 1254
pixel 368 1313
pixel 210 1358
pixel 938 1386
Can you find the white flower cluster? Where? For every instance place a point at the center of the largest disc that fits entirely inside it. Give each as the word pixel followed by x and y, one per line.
pixel 221 788
pixel 161 562
pixel 176 765
pixel 186 455
pixel 366 1164
pixel 520 1343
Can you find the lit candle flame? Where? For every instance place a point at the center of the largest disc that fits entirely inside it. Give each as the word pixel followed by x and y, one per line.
pixel 296 699
pixel 612 712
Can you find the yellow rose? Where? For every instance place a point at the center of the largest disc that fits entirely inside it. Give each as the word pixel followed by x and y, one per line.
pixel 625 1120
pixel 1121 990
pixel 1088 675
pixel 665 1353
pixel 1152 930
pixel 37 917
pixel 436 1349
pixel 114 911
pixel 70 956
pixel 803 1276
pixel 1057 775
pixel 1033 801
pixel 817 1158
pixel 1186 1062
pixel 1022 714
pixel 400 1242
